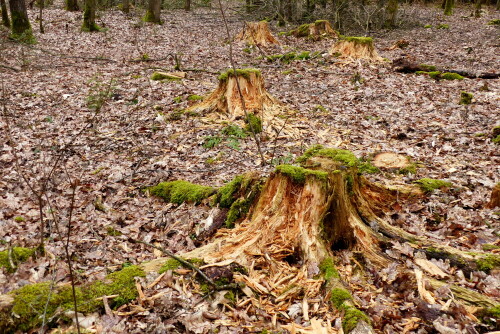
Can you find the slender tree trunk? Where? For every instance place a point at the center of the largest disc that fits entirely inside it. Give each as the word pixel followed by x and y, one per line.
pixel 448 7
pixel 72 5
pixel 89 16
pixel 187 5
pixel 391 11
pixel 477 12
pixel 153 12
pixel 5 15
pixel 41 4
pixel 19 16
pixel 126 6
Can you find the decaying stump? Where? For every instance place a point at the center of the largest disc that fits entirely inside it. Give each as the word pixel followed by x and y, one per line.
pixel 290 225
pixel 495 197
pixel 355 48
pixel 227 103
pixel 315 31
pixel 257 33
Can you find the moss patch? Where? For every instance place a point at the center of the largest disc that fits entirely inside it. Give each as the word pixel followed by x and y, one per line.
pixel 181 191
pixel 328 269
pixel 426 67
pixel 358 40
pixel 429 185
pixel 299 174
pixel 451 76
pixel 163 76
pixel 239 72
pixel 351 318
pixel 17 255
pixel 195 97
pixel 345 157
pixel 495 22
pixel 489 247
pixel 339 296
pixel 465 98
pixel 489 262
pixel 32 300
pixel 226 195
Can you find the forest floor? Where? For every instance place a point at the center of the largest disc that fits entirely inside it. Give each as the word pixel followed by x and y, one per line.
pixel 140 137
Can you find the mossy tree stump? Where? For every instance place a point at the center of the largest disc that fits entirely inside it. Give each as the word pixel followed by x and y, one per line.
pixel 355 48
pixel 227 102
pixel 315 31
pixel 257 33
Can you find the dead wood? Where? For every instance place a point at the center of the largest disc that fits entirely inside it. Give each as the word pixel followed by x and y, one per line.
pixel 315 31
pixel 257 33
pixel 355 48
pixel 495 197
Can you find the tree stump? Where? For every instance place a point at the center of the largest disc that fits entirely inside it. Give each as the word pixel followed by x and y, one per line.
pixel 315 31
pixel 495 197
pixel 257 33
pixel 227 102
pixel 355 48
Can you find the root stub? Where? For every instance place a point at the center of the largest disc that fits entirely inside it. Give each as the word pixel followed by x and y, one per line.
pixel 257 33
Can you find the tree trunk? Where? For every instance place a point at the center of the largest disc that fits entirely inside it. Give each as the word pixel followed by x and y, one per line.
pixel 89 24
pixel 391 11
pixel 187 5
pixel 5 14
pixel 477 11
pixel 448 7
pixel 19 16
pixel 72 5
pixel 153 12
pixel 126 6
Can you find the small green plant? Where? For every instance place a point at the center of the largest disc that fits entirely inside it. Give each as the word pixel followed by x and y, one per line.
pixel 19 219
pixel 494 22
pixel 443 26
pixel 254 123
pixel 177 99
pixel 145 57
pixel 357 79
pixel 195 97
pixel 99 92
pixel 211 141
pixel 427 26
pixel 112 232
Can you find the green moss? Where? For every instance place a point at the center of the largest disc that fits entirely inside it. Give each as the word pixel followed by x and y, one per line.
pixel 33 300
pixel 494 22
pixel 436 75
pixel 25 37
pixel 150 17
pixel 410 169
pixel 358 40
pixel 351 318
pixel 301 31
pixel 226 195
pixel 343 156
pixel 328 269
pixel 339 296
pixel 466 98
pixel 163 76
pixel 170 264
pixel 489 262
pixel 496 140
pixel 17 255
pixel 495 131
pixel 253 123
pixel 238 209
pixel 427 26
pixel 291 56
pixel 112 232
pixel 177 99
pixel 299 174
pixel 428 68
pixel 239 72
pixel 181 191
pixel 19 219
pixel 443 26
pixel 451 76
pixel 195 97
pixel 429 185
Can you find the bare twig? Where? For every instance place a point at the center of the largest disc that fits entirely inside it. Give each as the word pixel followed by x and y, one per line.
pixel 231 58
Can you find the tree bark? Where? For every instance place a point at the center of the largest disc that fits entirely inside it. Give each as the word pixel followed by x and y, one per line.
pixel 126 6
pixel 153 12
pixel 448 7
pixel 72 5
pixel 391 11
pixel 19 16
pixel 5 14
pixel 187 5
pixel 89 16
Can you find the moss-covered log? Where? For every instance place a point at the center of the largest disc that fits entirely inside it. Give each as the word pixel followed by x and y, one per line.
pixel 355 48
pixel 257 33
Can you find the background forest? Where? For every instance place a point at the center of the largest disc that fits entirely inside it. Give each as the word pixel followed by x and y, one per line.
pixel 129 133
